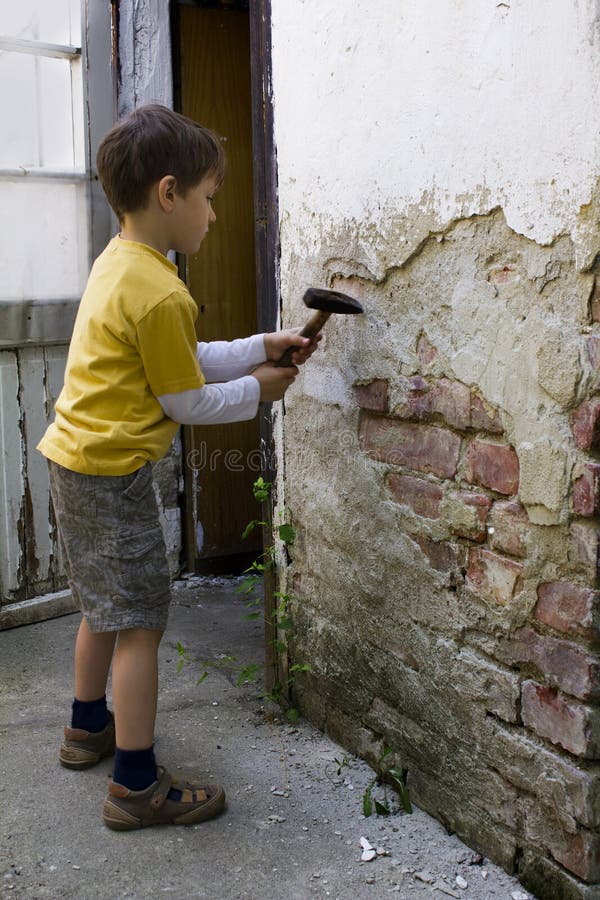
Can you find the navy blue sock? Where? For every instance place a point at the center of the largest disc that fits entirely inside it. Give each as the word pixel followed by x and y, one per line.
pixel 91 716
pixel 135 769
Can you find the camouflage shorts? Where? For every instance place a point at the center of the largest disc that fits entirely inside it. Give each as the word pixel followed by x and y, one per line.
pixel 114 549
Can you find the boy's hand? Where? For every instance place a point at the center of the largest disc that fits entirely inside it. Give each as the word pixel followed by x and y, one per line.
pixel 277 342
pixel 274 381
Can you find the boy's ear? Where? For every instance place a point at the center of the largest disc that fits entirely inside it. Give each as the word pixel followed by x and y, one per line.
pixel 166 192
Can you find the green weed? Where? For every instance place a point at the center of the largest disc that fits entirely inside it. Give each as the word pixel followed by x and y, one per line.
pixel 279 621
pixel 395 778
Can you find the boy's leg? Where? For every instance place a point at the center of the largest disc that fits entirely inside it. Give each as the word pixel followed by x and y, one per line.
pixel 142 793
pixel 93 656
pixel 135 687
pixel 135 692
pixel 91 735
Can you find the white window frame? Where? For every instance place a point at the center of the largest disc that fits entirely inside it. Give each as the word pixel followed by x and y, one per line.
pixel 42 322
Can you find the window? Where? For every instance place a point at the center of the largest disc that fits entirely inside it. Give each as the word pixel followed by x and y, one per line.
pixel 48 235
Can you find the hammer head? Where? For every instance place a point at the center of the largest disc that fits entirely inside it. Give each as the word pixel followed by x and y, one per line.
pixel 331 302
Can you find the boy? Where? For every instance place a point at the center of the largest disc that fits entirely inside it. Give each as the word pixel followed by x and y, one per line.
pixel 134 372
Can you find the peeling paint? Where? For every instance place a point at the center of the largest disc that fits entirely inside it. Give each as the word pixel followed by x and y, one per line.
pixel 521 348
pixel 447 174
pixel 27 565
pixel 477 310
pixel 444 113
pixel 30 559
pixel 144 54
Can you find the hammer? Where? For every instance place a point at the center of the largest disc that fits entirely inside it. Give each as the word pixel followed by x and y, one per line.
pixel 326 303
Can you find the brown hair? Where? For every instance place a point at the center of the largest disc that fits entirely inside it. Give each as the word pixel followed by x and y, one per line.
pixel 151 142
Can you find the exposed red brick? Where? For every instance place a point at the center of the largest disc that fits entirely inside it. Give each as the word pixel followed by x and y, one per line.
pixel 451 401
pixel 509 523
pixel 586 491
pixel 373 395
pixel 595 301
pixel 426 352
pixel 423 497
pixel 480 503
pixel 562 721
pixel 491 576
pixel 425 448
pixel 579 853
pixel 585 422
pixel 575 846
pixel 428 401
pixel 564 664
pixel 569 608
pixel 495 466
pixel 484 416
pixel 442 556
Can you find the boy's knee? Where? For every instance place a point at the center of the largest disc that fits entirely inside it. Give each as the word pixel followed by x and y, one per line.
pixel 141 636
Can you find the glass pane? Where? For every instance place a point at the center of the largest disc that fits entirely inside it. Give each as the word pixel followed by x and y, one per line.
pixel 56 112
pixel 39 108
pixel 50 21
pixel 19 144
pixel 43 239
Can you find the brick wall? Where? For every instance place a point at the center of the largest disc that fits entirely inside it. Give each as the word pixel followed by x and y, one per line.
pixel 446 611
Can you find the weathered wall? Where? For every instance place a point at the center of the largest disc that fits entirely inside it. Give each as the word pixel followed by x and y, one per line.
pixel 30 561
pixel 441 163
pixel 145 73
pixel 51 226
pixel 145 76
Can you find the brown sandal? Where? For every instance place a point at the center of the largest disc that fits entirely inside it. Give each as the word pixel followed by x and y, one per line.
pixel 83 749
pixel 125 810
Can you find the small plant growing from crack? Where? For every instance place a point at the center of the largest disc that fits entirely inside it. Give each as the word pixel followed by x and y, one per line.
pixel 339 765
pixel 279 619
pixel 392 776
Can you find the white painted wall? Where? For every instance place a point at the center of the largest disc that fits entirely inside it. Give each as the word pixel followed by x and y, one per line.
pixel 447 154
pixel 437 109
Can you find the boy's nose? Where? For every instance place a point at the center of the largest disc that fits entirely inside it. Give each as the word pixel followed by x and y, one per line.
pixel 212 217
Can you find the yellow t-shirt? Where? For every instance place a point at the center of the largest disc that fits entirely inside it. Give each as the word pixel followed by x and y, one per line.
pixel 133 340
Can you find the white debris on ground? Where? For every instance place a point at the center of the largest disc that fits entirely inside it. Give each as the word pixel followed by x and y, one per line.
pixel 318 798
pixel 294 826
pixel 400 854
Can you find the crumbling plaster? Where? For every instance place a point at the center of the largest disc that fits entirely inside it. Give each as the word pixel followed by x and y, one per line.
pixel 439 163
pixel 404 118
pixel 420 127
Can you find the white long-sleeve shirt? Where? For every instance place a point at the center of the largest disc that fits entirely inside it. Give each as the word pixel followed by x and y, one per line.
pixel 231 394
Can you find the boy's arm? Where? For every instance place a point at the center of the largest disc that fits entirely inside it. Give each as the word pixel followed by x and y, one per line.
pixel 167 341
pixel 231 402
pixel 226 360
pixel 214 404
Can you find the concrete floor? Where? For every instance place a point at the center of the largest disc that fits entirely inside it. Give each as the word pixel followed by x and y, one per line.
pixel 292 828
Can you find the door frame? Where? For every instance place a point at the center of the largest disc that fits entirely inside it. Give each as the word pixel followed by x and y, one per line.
pixel 266 225
pixel 267 253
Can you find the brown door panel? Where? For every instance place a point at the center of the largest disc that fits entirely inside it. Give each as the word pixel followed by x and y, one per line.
pixel 221 461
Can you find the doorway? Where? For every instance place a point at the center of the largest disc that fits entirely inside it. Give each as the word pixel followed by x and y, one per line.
pixel 219 56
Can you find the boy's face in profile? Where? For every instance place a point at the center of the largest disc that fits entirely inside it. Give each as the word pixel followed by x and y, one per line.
pixel 191 216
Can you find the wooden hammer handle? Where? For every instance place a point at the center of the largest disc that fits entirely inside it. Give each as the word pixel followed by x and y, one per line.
pixel 310 330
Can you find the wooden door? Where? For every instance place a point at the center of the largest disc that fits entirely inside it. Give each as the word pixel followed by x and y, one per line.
pixel 221 461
